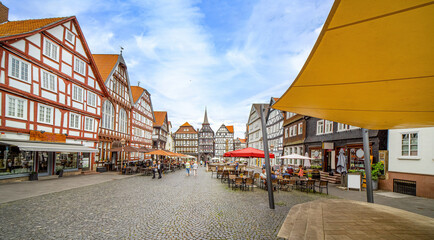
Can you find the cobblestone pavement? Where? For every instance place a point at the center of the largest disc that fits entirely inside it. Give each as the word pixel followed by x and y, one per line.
pixel 174 207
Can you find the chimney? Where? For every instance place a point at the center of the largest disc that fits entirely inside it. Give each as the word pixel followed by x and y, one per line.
pixel 4 13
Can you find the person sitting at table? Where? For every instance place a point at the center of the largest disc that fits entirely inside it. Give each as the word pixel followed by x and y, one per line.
pixel 300 171
pixel 263 175
pixel 290 170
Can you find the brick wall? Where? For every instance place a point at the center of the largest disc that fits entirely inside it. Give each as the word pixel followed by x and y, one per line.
pixel 424 183
pixel 4 13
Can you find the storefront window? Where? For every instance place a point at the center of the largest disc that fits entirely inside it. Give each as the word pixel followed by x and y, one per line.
pixel 14 161
pixel 67 160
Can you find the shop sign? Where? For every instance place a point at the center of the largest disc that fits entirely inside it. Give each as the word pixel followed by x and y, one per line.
pixel 327 145
pixel 47 137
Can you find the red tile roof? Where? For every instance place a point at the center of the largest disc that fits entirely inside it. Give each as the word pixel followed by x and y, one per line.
pixel 105 64
pixel 186 128
pixel 242 140
pixel 136 91
pixel 186 124
pixel 230 128
pixel 159 118
pixel 276 99
pixel 26 26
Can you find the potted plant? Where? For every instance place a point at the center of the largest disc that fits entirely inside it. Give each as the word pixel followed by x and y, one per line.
pixel 33 176
pixel 377 170
pixel 59 171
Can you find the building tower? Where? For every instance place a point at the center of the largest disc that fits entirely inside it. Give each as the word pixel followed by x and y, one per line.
pixel 206 140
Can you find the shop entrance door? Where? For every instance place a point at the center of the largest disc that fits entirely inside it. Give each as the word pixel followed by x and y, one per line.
pixel 85 161
pixel 328 161
pixel 44 163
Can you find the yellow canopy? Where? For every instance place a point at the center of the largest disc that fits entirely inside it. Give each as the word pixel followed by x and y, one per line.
pixel 372 66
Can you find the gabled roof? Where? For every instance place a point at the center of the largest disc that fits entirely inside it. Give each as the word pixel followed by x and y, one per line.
pixel 230 128
pixel 24 28
pixel 136 91
pixel 186 128
pixel 276 99
pixel 186 124
pixel 105 64
pixel 242 140
pixel 159 118
pixel 13 28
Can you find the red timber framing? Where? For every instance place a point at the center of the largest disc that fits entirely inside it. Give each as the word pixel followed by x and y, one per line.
pixel 116 108
pixel 49 82
pixel 141 121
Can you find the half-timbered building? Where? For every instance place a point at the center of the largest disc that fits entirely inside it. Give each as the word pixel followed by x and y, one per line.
pixel 50 96
pixel 160 132
pixel 275 132
pixel 206 140
pixel 186 140
pixel 141 122
pixel 254 130
pixel 224 140
pixel 116 108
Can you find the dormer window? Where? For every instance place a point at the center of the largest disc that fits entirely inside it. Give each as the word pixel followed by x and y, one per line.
pixel 70 36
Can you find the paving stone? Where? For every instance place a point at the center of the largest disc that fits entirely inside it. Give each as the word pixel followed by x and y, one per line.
pixel 174 207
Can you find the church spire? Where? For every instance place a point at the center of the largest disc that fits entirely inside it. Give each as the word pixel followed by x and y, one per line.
pixel 205 119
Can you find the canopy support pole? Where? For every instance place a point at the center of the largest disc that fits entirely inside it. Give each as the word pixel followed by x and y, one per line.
pixel 369 192
pixel 267 159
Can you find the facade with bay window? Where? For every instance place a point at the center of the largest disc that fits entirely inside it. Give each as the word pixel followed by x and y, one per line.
pixel 410 162
pixel 116 108
pixel 50 97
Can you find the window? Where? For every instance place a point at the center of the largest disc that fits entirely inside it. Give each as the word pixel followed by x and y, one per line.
pixel 295 129
pixel 79 66
pixel 69 37
pixel 19 69
pixel 88 124
pixel 16 107
pixel 328 126
pixel 77 93
pixel 51 50
pixel 107 115
pixel 91 99
pixel 320 127
pixel 343 127
pixel 74 121
pixel 409 144
pixel 300 128
pixel 49 81
pixel 123 121
pixel 45 114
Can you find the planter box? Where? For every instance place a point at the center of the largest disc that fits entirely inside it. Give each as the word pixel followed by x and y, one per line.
pixel 33 176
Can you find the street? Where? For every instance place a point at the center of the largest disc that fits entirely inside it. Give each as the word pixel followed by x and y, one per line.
pixel 174 207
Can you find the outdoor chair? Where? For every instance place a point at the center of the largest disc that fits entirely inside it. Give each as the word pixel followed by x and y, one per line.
pixel 257 178
pixel 249 183
pixel 238 183
pixel 284 184
pixel 292 184
pixel 309 185
pixel 275 184
pixel 323 184
pixel 219 173
pixel 225 176
pixel 134 170
pixel 213 170
pixel 232 179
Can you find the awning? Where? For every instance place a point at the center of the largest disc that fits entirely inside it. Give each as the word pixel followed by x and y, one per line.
pixel 372 67
pixel 48 147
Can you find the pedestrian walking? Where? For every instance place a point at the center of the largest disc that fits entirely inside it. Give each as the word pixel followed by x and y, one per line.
pixel 154 169
pixel 195 166
pixel 201 163
pixel 187 168
pixel 160 169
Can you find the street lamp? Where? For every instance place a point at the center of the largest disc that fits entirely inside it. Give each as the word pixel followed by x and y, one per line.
pixel 122 153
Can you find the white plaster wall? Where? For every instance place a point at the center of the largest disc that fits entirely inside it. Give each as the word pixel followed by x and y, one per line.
pixel 36 39
pixel 21 45
pixel 57 32
pixel 43 128
pixel 57 117
pixel 79 77
pixel 79 47
pixel 61 87
pixel 423 163
pixel 66 56
pixel 19 85
pixel 2 76
pixel 50 63
pixel 49 95
pixel 66 69
pixel 15 124
pixel 34 52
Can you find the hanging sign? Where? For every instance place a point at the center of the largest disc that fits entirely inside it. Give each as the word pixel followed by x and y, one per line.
pixel 47 137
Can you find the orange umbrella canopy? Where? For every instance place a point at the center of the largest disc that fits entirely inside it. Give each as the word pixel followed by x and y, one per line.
pixel 372 66
pixel 160 152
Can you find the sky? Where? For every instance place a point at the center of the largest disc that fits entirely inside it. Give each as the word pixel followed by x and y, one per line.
pixel 192 54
